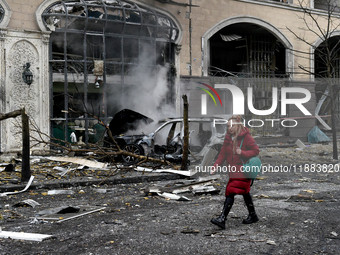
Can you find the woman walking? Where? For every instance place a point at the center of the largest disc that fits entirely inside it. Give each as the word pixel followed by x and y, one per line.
pixel 237 136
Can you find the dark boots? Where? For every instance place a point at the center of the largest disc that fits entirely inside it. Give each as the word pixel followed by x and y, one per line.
pixel 252 217
pixel 229 201
pixel 220 221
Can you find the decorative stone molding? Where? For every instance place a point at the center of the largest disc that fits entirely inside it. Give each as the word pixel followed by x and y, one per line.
pixel 46 38
pixel 3 34
pixel 21 53
pixel 178 49
pixel 21 95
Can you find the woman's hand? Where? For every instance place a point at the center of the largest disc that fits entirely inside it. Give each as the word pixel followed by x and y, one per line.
pixel 238 151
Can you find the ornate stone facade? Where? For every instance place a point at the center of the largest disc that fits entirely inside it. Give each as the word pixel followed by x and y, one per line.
pixel 24 48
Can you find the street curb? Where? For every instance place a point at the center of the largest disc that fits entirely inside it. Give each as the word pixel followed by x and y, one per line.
pixel 112 181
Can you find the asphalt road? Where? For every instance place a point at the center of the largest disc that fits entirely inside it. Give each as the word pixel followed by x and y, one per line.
pixel 298 211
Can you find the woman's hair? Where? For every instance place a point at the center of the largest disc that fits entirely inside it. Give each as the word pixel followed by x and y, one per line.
pixel 237 121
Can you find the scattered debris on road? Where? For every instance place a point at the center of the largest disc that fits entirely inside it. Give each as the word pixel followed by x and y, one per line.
pixel 26 202
pixel 64 213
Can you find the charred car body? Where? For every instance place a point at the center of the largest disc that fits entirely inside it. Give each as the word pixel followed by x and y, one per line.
pixel 166 142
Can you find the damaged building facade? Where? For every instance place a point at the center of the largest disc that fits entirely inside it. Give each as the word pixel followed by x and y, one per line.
pixel 91 58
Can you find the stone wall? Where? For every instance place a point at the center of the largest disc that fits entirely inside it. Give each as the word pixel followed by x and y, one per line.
pixel 19 48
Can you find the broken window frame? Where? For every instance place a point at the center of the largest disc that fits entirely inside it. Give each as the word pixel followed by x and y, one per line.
pixel 160 34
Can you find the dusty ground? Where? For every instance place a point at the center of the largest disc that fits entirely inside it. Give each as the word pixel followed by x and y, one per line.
pixel 298 211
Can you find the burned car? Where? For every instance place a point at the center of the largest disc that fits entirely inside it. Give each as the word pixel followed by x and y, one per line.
pixel 166 142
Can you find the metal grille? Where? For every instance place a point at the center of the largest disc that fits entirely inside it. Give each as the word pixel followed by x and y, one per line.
pixel 94 47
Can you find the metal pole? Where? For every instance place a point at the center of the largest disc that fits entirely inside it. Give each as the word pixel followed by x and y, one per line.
pixel 25 170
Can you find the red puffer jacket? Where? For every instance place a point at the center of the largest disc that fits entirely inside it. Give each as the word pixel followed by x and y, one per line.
pixel 238 183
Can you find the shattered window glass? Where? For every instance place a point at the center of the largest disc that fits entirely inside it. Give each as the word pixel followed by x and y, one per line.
pixel 111 16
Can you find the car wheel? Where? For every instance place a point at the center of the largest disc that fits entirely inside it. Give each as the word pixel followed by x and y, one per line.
pixel 133 148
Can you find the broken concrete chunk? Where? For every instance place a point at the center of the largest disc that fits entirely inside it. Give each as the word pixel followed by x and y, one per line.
pixel 334 233
pixel 271 242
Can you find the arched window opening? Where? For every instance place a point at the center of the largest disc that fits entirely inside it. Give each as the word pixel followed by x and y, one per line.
pixel 327 71
pixel 249 55
pixel 248 50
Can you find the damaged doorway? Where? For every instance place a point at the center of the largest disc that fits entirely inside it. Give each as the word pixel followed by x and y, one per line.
pixel 246 49
pixel 248 52
pixel 96 49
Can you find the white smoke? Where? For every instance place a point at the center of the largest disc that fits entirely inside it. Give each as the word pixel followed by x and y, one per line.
pixel 145 92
